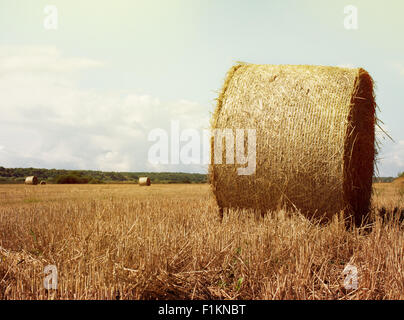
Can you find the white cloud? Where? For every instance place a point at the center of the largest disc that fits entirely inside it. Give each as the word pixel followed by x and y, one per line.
pixel 48 120
pixel 41 59
pixel 392 159
pixel 399 67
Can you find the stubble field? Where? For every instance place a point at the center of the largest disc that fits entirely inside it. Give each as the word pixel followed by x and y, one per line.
pixel 166 242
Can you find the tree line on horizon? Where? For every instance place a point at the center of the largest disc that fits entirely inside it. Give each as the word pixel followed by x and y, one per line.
pixel 18 175
pixel 62 176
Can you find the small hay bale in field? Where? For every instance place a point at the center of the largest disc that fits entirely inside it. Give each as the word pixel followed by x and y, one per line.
pixel 43 182
pixel 315 139
pixel 32 180
pixel 144 181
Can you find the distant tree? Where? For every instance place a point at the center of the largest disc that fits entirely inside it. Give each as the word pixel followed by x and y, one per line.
pixel 70 179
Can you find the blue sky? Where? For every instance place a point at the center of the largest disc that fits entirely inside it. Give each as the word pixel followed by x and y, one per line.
pixel 84 96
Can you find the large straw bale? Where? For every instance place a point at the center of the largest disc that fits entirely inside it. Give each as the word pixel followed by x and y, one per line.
pixel 144 181
pixel 315 131
pixel 32 180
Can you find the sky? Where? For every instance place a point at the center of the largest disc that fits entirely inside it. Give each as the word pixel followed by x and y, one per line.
pixel 87 94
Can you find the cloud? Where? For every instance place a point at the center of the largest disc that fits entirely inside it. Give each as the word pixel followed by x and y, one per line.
pixel 40 59
pixel 392 159
pixel 48 120
pixel 400 68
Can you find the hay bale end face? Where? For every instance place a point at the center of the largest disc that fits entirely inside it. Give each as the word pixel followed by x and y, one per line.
pixel 32 180
pixel 144 181
pixel 315 139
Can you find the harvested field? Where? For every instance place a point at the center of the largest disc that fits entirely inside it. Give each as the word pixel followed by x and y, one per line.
pixel 166 242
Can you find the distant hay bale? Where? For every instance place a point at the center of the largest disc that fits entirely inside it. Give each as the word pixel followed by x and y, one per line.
pixel 315 139
pixel 42 182
pixel 32 180
pixel 144 181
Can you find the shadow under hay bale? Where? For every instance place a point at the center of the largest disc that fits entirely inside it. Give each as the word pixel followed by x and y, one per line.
pixel 394 214
pixel 315 139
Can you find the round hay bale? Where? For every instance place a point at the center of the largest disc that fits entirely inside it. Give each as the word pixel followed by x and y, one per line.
pixel 43 182
pixel 32 180
pixel 144 181
pixel 315 139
